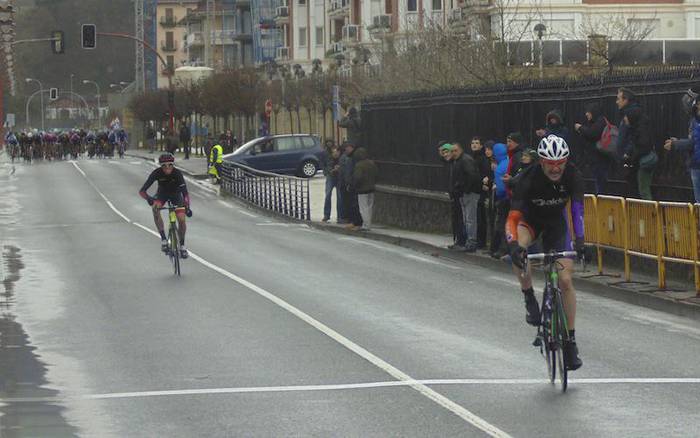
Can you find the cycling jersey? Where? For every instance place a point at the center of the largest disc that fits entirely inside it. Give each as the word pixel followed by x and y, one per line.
pixel 540 204
pixel 169 186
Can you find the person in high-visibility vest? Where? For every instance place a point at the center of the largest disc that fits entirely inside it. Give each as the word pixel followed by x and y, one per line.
pixel 215 160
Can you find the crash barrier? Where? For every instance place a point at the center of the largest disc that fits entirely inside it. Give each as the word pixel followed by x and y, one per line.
pixel 660 231
pixel 287 195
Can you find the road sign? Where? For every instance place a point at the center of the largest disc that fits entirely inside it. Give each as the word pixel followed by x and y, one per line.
pixel 9 120
pixel 89 36
pixel 53 93
pixel 336 103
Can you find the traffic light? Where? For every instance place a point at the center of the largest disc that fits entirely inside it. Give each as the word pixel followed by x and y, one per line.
pixel 89 36
pixel 57 42
pixel 53 93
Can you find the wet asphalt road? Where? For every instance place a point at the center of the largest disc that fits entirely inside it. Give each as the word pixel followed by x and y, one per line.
pixel 281 330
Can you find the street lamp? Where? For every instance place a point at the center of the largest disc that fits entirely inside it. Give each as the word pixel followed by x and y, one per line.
pixel 540 30
pixel 121 88
pixel 41 94
pixel 99 113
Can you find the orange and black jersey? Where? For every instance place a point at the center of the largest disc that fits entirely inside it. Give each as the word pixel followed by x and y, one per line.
pixel 539 200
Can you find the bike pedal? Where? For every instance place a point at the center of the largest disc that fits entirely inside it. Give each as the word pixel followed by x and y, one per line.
pixel 537 342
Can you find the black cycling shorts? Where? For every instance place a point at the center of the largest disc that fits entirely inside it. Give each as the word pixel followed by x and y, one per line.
pixel 555 234
pixel 175 199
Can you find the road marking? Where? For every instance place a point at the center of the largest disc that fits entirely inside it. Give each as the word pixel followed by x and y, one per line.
pixel 429 261
pixel 355 386
pixel 134 162
pixel 431 394
pixel 114 209
pixel 227 205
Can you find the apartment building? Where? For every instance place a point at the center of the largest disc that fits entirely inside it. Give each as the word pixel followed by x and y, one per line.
pixel 170 38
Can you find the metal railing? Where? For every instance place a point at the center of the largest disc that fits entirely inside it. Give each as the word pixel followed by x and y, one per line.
pixel 284 194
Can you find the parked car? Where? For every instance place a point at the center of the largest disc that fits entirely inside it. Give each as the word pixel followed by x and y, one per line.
pixel 296 154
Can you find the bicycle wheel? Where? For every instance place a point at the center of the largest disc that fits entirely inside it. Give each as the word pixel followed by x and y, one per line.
pixel 561 337
pixel 174 250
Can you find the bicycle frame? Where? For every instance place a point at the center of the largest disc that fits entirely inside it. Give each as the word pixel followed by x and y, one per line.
pixel 173 237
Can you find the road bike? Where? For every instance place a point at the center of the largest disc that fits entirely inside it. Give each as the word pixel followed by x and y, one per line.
pixel 173 251
pixel 553 331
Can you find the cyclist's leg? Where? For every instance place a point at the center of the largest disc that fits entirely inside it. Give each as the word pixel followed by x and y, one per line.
pixel 180 214
pixel 558 238
pixel 526 235
pixel 157 217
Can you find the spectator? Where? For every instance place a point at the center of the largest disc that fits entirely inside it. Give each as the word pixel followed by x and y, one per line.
pixel 458 239
pixel 329 163
pixel 185 137
pixel 351 122
pixel 591 130
pixel 150 138
pixel 227 141
pixel 514 141
pixel 467 186
pixel 692 142
pixel 351 212
pixel 208 144
pixel 626 101
pixel 364 182
pixel 641 155
pixel 502 204
pixel 484 167
pixel 554 124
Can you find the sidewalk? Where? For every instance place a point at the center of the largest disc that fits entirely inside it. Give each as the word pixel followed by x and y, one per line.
pixel 679 298
pixel 196 166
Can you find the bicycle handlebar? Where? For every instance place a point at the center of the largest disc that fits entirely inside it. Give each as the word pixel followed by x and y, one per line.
pixel 554 254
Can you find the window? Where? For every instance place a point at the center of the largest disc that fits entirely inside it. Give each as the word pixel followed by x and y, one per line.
pixel 169 39
pixel 169 14
pixel 307 142
pixel 437 5
pixel 387 6
pixel 170 59
pixel 412 5
pixel 286 144
pixel 302 37
pixel 263 147
pixel 302 2
pixel 319 35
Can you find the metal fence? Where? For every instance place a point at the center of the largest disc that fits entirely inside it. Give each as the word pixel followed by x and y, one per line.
pixel 402 131
pixel 287 195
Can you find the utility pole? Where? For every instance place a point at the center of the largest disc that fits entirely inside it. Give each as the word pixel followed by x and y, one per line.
pixel 140 59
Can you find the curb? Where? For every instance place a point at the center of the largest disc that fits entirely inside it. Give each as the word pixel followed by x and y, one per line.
pixel 599 288
pixel 183 170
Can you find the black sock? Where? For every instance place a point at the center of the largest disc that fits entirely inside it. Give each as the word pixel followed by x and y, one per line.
pixel 162 235
pixel 572 335
pixel 182 242
pixel 529 292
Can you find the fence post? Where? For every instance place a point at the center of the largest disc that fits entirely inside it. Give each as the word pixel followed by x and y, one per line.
pixel 660 247
pixel 625 227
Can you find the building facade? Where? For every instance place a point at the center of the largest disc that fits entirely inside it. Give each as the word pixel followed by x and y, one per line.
pixel 171 35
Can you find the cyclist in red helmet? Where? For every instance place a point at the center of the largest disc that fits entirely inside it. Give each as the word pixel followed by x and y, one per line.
pixel 171 188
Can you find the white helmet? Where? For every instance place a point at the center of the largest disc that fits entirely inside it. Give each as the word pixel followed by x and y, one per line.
pixel 553 148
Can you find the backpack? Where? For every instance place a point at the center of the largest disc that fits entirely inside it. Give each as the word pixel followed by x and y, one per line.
pixel 607 143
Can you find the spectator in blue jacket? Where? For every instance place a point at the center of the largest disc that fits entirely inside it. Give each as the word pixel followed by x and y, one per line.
pixel 498 243
pixel 692 142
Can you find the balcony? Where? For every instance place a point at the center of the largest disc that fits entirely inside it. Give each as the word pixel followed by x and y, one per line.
pixel 282 54
pixel 243 34
pixel 243 4
pixel 194 39
pixel 223 37
pixel 282 15
pixel 380 23
pixel 166 21
pixel 168 46
pixel 339 8
pixel 475 3
pixel 167 70
pixel 351 34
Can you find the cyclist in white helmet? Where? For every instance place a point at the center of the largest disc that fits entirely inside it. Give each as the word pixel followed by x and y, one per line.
pixel 538 208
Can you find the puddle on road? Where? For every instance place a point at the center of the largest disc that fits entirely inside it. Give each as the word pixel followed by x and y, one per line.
pixel 22 374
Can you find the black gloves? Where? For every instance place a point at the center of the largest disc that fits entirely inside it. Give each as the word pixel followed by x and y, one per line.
pixel 580 247
pixel 188 212
pixel 150 200
pixel 518 254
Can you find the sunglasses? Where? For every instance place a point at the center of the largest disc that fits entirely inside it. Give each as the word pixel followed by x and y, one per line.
pixel 554 162
pixel 164 165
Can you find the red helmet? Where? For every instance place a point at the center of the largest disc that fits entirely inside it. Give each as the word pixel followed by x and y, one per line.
pixel 166 158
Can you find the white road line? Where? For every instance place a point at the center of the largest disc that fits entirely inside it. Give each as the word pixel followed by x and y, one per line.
pixel 114 209
pixel 433 395
pixel 135 162
pixel 248 213
pixel 355 386
pixel 429 261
